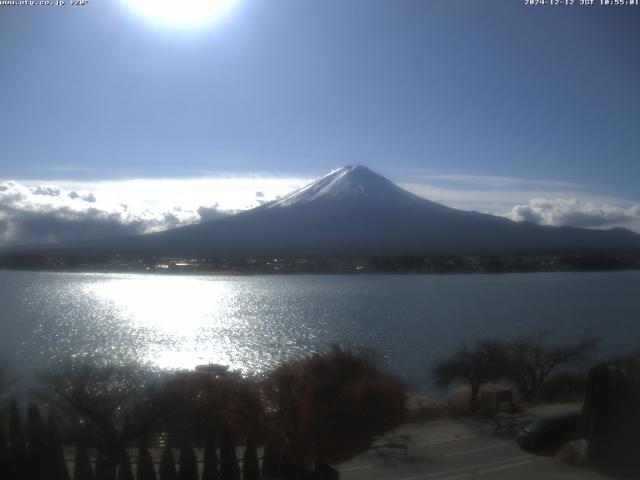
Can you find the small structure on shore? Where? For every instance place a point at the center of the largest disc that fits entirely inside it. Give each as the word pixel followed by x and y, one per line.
pixel 218 370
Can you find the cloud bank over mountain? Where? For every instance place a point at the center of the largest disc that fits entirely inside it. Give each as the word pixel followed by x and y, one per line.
pixel 545 202
pixel 49 214
pixel 34 211
pixel 575 213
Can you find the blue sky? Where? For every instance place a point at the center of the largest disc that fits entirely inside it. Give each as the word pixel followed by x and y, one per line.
pixel 484 105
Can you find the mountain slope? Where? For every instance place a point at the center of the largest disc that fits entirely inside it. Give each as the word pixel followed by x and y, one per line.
pixel 354 211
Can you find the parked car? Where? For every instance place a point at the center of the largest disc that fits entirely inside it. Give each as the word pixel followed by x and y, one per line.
pixel 548 434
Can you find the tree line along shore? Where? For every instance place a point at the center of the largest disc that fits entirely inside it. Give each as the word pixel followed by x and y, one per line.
pixel 327 264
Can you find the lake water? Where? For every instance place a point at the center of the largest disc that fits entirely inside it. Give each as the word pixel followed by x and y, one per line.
pixel 254 322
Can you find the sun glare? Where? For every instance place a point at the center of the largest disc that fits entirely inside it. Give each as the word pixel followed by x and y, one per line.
pixel 182 13
pixel 176 318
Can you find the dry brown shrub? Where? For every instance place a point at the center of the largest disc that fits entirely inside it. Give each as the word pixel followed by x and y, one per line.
pixel 329 407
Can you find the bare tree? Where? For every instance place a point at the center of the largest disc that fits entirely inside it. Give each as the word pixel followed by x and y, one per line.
pixel 193 405
pixel 106 404
pixel 327 408
pixel 475 365
pixel 532 358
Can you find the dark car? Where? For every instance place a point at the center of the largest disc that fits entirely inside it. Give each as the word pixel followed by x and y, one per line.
pixel 548 434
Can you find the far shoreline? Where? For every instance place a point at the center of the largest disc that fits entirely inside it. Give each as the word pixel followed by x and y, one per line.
pixel 237 273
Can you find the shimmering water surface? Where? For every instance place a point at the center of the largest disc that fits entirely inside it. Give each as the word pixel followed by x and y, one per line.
pixel 253 322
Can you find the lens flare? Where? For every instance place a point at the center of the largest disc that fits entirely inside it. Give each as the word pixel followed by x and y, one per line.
pixel 181 13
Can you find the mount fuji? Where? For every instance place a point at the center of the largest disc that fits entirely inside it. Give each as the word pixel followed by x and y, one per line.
pixel 354 211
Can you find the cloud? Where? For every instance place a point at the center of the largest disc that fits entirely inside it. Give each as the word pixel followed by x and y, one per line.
pixel 33 211
pixel 213 212
pixel 491 193
pixel 575 213
pixel 545 202
pixel 45 190
pixel 87 197
pixel 499 182
pixel 37 227
pixel 497 200
pixel 229 193
pixel 37 211
pixel 50 214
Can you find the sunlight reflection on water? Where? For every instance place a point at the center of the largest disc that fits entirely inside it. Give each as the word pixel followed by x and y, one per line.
pixel 252 323
pixel 180 309
pixel 183 321
pixel 180 322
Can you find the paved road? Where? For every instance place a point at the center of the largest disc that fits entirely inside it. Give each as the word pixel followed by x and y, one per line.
pixel 454 449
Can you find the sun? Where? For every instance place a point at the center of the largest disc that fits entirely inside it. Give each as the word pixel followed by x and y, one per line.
pixel 181 13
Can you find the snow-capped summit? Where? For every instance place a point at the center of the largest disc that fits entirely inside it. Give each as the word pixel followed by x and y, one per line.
pixel 353 182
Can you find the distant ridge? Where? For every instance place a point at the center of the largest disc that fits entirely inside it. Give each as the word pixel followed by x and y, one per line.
pixel 354 211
